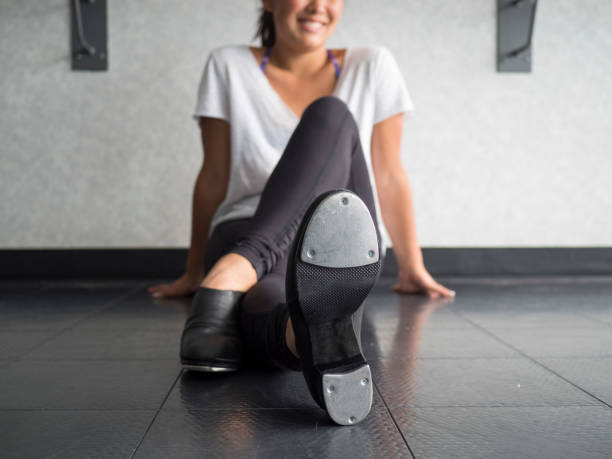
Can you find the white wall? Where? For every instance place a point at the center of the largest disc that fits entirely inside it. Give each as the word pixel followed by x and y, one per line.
pixel 495 159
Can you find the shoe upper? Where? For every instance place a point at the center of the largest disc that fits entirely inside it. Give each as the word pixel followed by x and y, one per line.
pixel 212 329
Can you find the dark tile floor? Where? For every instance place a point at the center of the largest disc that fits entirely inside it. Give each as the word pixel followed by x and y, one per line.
pixel 509 368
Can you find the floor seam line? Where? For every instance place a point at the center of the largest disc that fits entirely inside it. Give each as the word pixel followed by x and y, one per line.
pixel 144 435
pixel 394 421
pixel 531 359
pixel 595 319
pixel 104 307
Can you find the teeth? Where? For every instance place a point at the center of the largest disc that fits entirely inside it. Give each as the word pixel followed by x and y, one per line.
pixel 312 24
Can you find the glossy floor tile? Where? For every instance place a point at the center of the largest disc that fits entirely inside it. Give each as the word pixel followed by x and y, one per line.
pixel 109 344
pixel 86 384
pixel 473 382
pixel 45 306
pixel 15 343
pixel 593 375
pixel 246 390
pixel 508 432
pixel 512 367
pixel 266 433
pixel 72 434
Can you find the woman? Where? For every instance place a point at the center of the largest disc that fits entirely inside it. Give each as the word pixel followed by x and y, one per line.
pixel 279 112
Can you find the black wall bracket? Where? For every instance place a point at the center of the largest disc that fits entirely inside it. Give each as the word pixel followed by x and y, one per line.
pixel 88 34
pixel 515 20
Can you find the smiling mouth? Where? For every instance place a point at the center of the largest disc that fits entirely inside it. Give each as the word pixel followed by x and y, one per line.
pixel 311 26
pixel 313 21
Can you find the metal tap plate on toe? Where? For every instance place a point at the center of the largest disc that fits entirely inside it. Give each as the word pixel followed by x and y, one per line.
pixel 330 241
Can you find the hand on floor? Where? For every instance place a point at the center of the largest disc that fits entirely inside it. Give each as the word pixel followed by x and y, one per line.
pixel 418 280
pixel 183 286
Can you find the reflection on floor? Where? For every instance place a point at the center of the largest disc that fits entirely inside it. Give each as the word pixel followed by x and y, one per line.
pixel 510 368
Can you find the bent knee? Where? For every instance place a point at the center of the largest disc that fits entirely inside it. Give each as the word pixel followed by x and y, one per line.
pixel 327 105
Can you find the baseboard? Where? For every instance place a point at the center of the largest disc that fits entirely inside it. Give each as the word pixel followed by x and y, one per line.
pixel 512 261
pixel 464 261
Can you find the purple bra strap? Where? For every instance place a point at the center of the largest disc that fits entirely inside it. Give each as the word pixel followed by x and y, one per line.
pixel 335 61
pixel 329 55
pixel 265 58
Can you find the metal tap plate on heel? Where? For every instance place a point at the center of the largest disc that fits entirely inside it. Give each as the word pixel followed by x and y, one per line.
pixel 348 396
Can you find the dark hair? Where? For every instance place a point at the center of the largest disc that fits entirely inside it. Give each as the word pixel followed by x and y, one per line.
pixel 265 28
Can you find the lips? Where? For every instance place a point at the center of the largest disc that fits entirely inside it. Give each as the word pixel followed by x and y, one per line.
pixel 311 26
pixel 313 20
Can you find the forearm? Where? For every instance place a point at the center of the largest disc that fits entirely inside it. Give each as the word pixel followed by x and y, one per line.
pixel 397 211
pixel 206 200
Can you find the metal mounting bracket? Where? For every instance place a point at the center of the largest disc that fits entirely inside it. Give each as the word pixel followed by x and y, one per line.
pixel 88 34
pixel 515 21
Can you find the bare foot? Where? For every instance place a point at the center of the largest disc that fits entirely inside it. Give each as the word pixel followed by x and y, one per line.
pixel 231 272
pixel 290 338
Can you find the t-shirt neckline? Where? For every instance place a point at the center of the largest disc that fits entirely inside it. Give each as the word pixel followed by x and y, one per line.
pixel 266 82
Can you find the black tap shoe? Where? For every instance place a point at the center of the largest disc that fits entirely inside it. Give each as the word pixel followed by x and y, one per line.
pixel 211 337
pixel 333 264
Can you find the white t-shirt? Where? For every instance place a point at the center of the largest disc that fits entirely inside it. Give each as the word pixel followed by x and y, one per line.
pixel 234 88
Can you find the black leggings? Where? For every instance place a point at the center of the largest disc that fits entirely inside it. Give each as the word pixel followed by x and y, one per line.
pixel 323 153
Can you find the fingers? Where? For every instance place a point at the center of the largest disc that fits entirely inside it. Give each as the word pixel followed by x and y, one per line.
pixel 154 289
pixel 443 291
pixel 158 291
pixel 433 290
pixel 168 291
pixel 399 289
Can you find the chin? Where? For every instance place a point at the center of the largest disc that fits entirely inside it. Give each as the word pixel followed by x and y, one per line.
pixel 312 41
